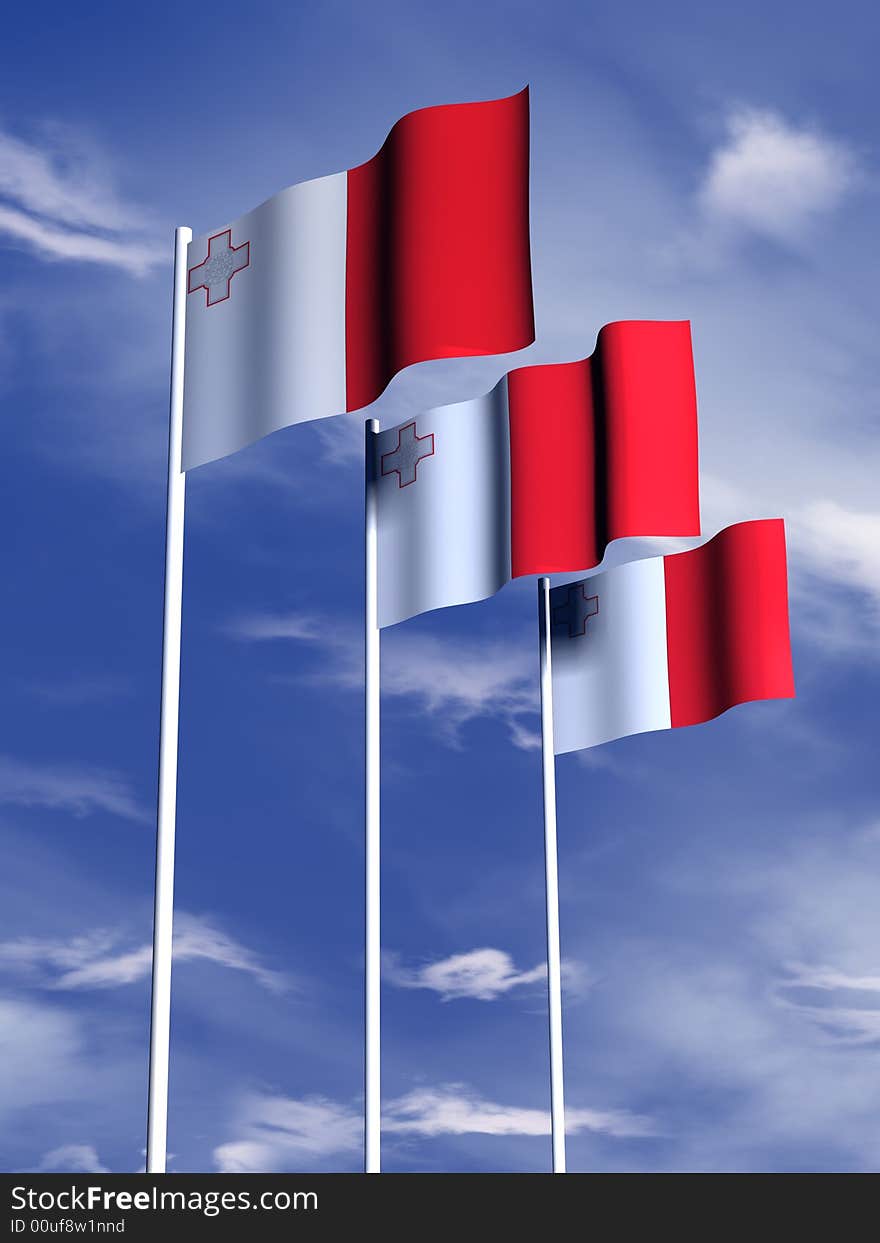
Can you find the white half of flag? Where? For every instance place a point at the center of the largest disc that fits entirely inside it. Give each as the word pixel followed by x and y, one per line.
pixel 265 325
pixel 443 506
pixel 610 672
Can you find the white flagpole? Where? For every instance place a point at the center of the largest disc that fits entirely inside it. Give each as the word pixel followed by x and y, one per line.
pixel 551 875
pixel 372 1047
pixel 163 914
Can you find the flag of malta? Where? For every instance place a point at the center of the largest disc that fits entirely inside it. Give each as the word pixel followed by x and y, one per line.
pixel 310 304
pixel 540 474
pixel 672 640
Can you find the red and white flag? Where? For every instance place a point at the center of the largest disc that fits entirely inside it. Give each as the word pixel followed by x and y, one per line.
pixel 540 474
pixel 672 640
pixel 309 305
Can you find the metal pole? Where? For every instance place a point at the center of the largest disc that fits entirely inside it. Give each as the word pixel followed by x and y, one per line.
pixel 372 1051
pixel 163 915
pixel 554 965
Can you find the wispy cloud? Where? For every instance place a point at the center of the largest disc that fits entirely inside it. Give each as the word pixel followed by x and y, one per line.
pixel 342 439
pixel 452 682
pixel 57 196
pixel 773 177
pixel 775 1024
pixel 62 1070
pixel 280 1132
pixel 842 544
pixel 456 682
pixel 829 978
pixel 838 546
pixel 482 974
pixel 98 960
pixel 42 1055
pixel 845 1006
pixel 263 627
pixel 71 1158
pixel 454 1110
pixel 80 791
pixel 51 241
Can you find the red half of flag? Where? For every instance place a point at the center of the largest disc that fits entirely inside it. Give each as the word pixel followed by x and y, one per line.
pixel 437 262
pixel 727 631
pixel 604 448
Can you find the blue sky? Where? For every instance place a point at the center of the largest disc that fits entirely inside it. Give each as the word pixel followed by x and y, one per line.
pixel 720 921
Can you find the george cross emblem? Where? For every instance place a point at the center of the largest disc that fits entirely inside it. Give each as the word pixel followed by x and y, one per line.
pixel 404 460
pixel 577 610
pixel 215 273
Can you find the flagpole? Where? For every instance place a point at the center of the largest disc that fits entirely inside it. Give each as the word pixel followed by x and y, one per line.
pixel 551 877
pixel 372 1047
pixel 163 912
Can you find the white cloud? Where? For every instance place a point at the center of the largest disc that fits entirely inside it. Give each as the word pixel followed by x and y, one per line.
pixel 774 178
pixel 41 1056
pixel 453 1110
pixel 80 791
pixel 60 1068
pixel 270 626
pixel 837 1016
pixel 835 578
pixel 484 974
pixel 94 961
pixel 343 439
pixel 60 200
pixel 841 544
pixel 73 1158
pixel 761 999
pixel 52 242
pixel 281 1133
pixel 844 1025
pixel 451 681
pixel 28 955
pixel 459 682
pixel 65 178
pixel 829 978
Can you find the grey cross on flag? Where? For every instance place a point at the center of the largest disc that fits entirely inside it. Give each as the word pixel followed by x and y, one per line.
pixel 576 609
pixel 404 460
pixel 215 273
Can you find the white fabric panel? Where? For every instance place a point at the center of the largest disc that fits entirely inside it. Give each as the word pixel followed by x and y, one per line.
pixel 272 352
pixel 444 521
pixel 613 679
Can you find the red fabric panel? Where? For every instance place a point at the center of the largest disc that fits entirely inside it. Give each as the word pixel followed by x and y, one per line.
pixel 604 448
pixel 553 520
pixel 649 402
pixel 438 259
pixel 727 622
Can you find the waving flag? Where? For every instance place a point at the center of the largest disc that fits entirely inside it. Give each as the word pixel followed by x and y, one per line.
pixel 540 474
pixel 673 640
pixel 310 304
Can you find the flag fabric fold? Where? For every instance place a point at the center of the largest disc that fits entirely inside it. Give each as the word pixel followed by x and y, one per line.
pixel 540 474
pixel 671 641
pixel 309 305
